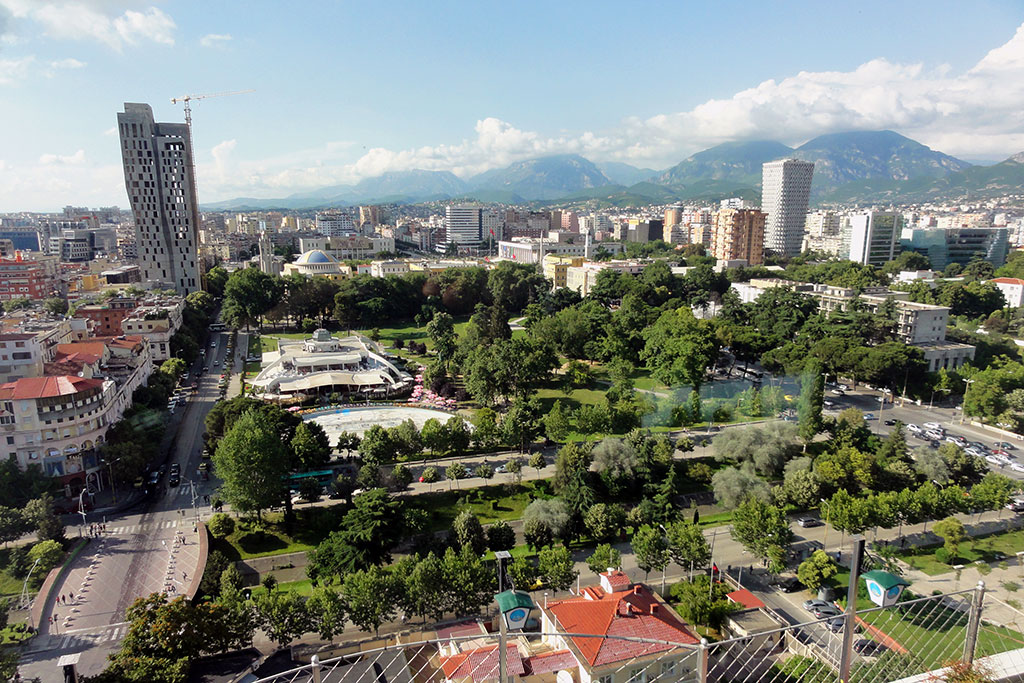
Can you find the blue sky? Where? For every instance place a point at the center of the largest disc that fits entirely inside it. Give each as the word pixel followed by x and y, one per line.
pixel 350 90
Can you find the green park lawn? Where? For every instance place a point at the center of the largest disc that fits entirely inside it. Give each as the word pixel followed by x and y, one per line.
pixel 249 539
pixel 303 587
pixel 991 548
pixel 488 503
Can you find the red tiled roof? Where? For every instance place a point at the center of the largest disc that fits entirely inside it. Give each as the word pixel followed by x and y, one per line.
pixel 461 628
pixel 93 347
pixel 622 613
pixel 1008 280
pixel 47 387
pixel 482 663
pixel 618 580
pixel 562 660
pixel 745 598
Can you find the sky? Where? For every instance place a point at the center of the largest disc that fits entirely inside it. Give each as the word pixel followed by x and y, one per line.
pixel 347 90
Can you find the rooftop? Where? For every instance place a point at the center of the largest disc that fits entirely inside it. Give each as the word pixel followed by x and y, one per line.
pixel 47 387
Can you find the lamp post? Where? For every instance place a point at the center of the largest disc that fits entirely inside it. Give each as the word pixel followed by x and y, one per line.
pixel 81 508
pixel 110 475
pixel 963 408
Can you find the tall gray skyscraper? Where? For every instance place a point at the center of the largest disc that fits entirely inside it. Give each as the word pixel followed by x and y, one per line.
pixel 158 176
pixel 463 225
pixel 785 193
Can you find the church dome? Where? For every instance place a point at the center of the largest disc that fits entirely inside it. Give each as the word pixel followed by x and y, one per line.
pixel 315 256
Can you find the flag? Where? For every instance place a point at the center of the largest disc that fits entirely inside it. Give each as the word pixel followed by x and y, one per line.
pixel 491 230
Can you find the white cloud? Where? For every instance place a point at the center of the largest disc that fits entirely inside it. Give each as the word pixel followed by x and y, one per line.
pixel 76 159
pixel 221 157
pixel 15 69
pixel 69 63
pixel 110 132
pixel 99 20
pixel 215 39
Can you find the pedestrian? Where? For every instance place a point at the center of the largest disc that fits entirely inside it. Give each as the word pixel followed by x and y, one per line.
pixel 72 596
pixel 184 576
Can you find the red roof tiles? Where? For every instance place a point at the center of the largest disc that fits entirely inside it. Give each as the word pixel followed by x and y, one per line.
pixel 634 613
pixel 561 660
pixel 745 598
pixel 482 663
pixel 47 387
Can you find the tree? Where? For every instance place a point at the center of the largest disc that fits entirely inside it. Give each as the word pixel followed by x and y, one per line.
pixel 556 422
pixel 762 529
pixel 370 596
pixel 469 584
pixel 282 616
pixel 252 462
pixel 220 525
pixel 42 517
pixel 48 554
pixel 650 549
pixel 401 477
pixel 455 471
pixel 434 436
pixel 702 603
pixel 311 449
pixel 687 545
pixel 555 566
pixel 734 485
pixel 13 524
pixel 604 557
pixel 366 534
pixel 521 423
pixel 523 573
pixel 429 475
pixel 457 434
pixel 538 461
pixel 931 465
pixel 500 536
pixel 515 468
pixel 816 570
pixel 537 533
pixel 56 306
pixel 377 446
pixel 486 433
pixel 679 348
pixel 483 471
pixel 604 521
pixel 553 512
pixel 441 331
pixel 615 461
pixel 327 612
pixel 766 447
pixel 470 533
pixel 951 530
pixel 812 386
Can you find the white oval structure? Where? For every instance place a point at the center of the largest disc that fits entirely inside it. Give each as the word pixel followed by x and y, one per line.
pixel 358 420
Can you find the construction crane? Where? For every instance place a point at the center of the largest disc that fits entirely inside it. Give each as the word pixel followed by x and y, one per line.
pixel 187 100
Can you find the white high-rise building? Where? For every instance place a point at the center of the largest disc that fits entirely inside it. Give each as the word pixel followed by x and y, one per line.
pixel 875 236
pixel 158 175
pixel 336 224
pixel 785 194
pixel 463 225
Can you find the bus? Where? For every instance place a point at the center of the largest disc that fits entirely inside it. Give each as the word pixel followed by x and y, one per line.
pixel 322 477
pixel 218 327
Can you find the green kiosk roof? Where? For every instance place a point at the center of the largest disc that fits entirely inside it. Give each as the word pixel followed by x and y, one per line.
pixel 512 599
pixel 884 579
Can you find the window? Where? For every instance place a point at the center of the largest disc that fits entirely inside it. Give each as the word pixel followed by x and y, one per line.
pixel 609 678
pixel 668 671
pixel 638 676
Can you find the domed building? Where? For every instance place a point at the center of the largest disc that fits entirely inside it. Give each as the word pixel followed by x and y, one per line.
pixel 318 262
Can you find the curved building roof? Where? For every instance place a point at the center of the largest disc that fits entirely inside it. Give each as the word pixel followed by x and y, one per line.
pixel 315 256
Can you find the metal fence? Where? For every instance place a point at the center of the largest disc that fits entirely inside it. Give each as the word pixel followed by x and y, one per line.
pixel 913 640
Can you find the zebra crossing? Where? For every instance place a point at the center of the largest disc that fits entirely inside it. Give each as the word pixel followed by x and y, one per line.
pixel 142 528
pixel 106 634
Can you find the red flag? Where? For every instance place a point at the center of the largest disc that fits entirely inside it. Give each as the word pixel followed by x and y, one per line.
pixel 491 230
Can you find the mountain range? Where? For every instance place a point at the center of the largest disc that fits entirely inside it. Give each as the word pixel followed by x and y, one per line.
pixel 859 166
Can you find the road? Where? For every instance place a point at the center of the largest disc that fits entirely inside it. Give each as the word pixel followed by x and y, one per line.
pixel 150 548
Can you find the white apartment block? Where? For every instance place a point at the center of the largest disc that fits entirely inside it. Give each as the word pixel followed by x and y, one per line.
pixel 463 224
pixel 785 194
pixel 348 248
pixel 158 177
pixel 1012 289
pixel 336 224
pixel 386 268
pixel 156 320
pixel 582 278
pixel 875 237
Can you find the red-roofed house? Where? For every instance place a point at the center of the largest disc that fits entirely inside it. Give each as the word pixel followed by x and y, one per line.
pixel 1012 289
pixel 620 608
pixel 57 423
pixel 746 599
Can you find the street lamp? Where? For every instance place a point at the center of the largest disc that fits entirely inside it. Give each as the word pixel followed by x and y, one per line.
pixel 110 474
pixel 81 508
pixel 963 408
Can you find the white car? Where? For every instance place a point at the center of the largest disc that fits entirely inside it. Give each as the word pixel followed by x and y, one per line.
pixel 844 387
pixel 913 428
pixel 934 435
pixel 990 459
pixel 1017 467
pixel 838 392
pixel 933 425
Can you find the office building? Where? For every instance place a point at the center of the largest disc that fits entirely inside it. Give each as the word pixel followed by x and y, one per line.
pixel 24 279
pixel 463 225
pixel 159 178
pixel 875 237
pixel 785 193
pixel 369 215
pixel 739 234
pixel 336 224
pixel 944 246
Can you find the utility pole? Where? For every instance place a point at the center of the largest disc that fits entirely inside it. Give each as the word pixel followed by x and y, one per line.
pixel 850 621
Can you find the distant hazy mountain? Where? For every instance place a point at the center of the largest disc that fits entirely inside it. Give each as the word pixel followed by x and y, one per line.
pixel 840 158
pixel 543 178
pixel 739 162
pixel 625 174
pixel 973 182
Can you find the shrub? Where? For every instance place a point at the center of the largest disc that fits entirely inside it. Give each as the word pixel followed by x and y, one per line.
pixel 942 555
pixel 221 525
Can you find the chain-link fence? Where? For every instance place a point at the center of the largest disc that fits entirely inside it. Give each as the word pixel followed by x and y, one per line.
pixel 913 640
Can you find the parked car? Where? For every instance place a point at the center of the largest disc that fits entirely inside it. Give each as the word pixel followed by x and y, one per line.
pixel 1015 506
pixel 953 440
pixel 869 416
pixel 990 459
pixel 827 403
pixel 934 435
pixel 811 605
pixel 807 522
pixel 977 445
pixel 868 648
pixel 890 423
pixel 932 425
pixel 843 387
pixel 826 612
pixel 791 585
pixel 913 428
pixel 1017 467
pixel 838 392
pixel 1006 445
pixel 1000 451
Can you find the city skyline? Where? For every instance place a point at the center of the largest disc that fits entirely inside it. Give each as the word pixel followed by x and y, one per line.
pixel 403 97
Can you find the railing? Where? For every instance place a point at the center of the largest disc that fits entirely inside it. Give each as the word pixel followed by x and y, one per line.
pixel 907 642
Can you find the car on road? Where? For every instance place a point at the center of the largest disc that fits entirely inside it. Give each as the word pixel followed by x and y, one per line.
pixel 500 469
pixel 808 522
pixel 1017 467
pixel 154 477
pixel 958 440
pixel 826 612
pixel 932 425
pixel 890 423
pixel 216 363
pixel 836 625
pixel 1015 506
pixel 838 392
pixel 828 404
pixel 934 435
pixel 977 445
pixel 843 387
pixel 1000 451
pixel 174 479
pixel 791 585
pixel 1005 445
pixel 815 603
pixel 868 648
pixel 913 428
pixel 869 416
pixel 990 459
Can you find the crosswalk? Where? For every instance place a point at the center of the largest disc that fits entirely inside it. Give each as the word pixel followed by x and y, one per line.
pixel 105 634
pixel 143 528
